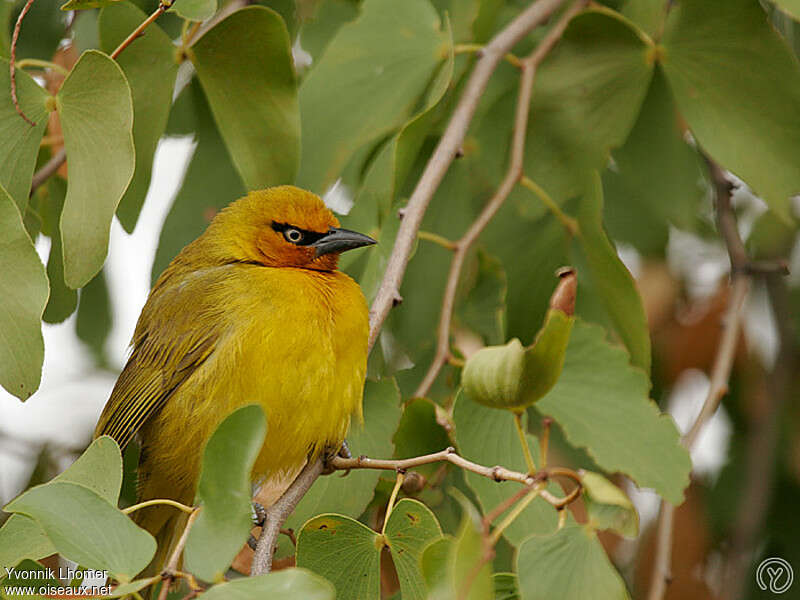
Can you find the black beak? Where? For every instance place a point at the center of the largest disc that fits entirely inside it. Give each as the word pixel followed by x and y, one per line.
pixel 339 240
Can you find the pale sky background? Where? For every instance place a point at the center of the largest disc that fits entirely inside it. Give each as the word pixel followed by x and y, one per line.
pixel 63 412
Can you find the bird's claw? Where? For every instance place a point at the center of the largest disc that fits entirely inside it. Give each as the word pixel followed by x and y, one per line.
pixel 259 515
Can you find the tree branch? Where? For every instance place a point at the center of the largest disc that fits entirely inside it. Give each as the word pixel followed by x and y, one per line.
pixel 12 64
pixel 528 67
pixel 413 213
pixel 278 513
pixel 721 370
pixel 444 154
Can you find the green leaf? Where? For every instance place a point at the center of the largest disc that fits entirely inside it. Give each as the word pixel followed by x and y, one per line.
pixel 610 279
pixel 350 495
pixel 94 97
pixel 343 551
pixel 506 586
pixel 210 183
pixel 771 238
pixel 19 142
pixel 28 575
pixel 647 14
pixel 317 30
pixel 86 528
pixel 603 405
pixel 657 178
pixel 366 84
pixel 529 264
pixel 607 506
pixel 791 7
pixel 586 97
pixel 42 30
pixel 419 433
pixel 22 537
pixel 24 289
pixel 481 305
pixel 245 66
pixel 449 564
pixel 224 492
pixel 63 299
pixel 87 4
pixel 738 86
pixel 434 565
pixel 570 565
pixel 126 589
pixel 150 67
pixel 287 584
pixel 94 317
pixel 99 468
pixel 488 436
pixel 195 10
pixel 410 528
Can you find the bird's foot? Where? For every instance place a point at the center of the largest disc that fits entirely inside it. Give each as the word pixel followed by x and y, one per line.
pixel 259 515
pixel 342 451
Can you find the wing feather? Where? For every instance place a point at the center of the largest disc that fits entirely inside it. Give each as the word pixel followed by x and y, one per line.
pixel 176 333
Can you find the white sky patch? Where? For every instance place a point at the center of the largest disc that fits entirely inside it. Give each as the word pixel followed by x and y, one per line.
pixel 685 401
pixel 302 59
pixel 338 198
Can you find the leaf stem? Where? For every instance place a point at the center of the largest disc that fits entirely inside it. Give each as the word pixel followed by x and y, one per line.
pixel 523 440
pixel 437 239
pixel 515 512
pixel 544 442
pixel 163 7
pixel 13 60
pixel 401 475
pixel 570 224
pixel 159 501
pixel 528 67
pixel 43 64
pixel 171 568
pixel 511 58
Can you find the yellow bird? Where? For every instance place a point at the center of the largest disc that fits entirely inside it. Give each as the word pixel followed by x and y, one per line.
pixel 254 310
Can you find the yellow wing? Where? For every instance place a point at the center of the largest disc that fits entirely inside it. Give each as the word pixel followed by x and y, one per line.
pixel 176 332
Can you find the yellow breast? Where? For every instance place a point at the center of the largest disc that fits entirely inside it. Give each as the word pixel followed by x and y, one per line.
pixel 296 343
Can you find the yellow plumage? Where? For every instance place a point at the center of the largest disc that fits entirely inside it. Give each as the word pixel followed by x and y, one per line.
pixel 244 314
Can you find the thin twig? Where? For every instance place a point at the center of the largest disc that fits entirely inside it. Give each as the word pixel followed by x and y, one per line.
pixel 528 67
pixel 444 154
pixel 763 439
pixel 12 65
pixel 389 291
pixel 48 169
pixel 163 7
pixel 279 512
pixel 721 370
pixel 172 565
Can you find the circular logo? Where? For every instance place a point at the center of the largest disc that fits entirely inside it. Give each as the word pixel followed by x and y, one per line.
pixel 774 574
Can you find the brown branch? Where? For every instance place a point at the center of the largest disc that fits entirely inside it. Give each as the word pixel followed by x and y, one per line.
pixel 721 370
pixel 58 159
pixel 762 443
pixel 172 565
pixel 163 7
pixel 48 169
pixel 389 291
pixel 462 247
pixel 12 65
pixel 278 513
pixel 444 154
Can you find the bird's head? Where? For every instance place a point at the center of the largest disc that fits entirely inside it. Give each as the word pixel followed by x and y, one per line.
pixel 281 227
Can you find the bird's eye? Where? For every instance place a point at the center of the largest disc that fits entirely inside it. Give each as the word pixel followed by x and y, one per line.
pixel 293 235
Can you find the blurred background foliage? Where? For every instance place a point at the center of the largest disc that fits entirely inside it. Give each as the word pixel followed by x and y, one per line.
pixel 349 99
